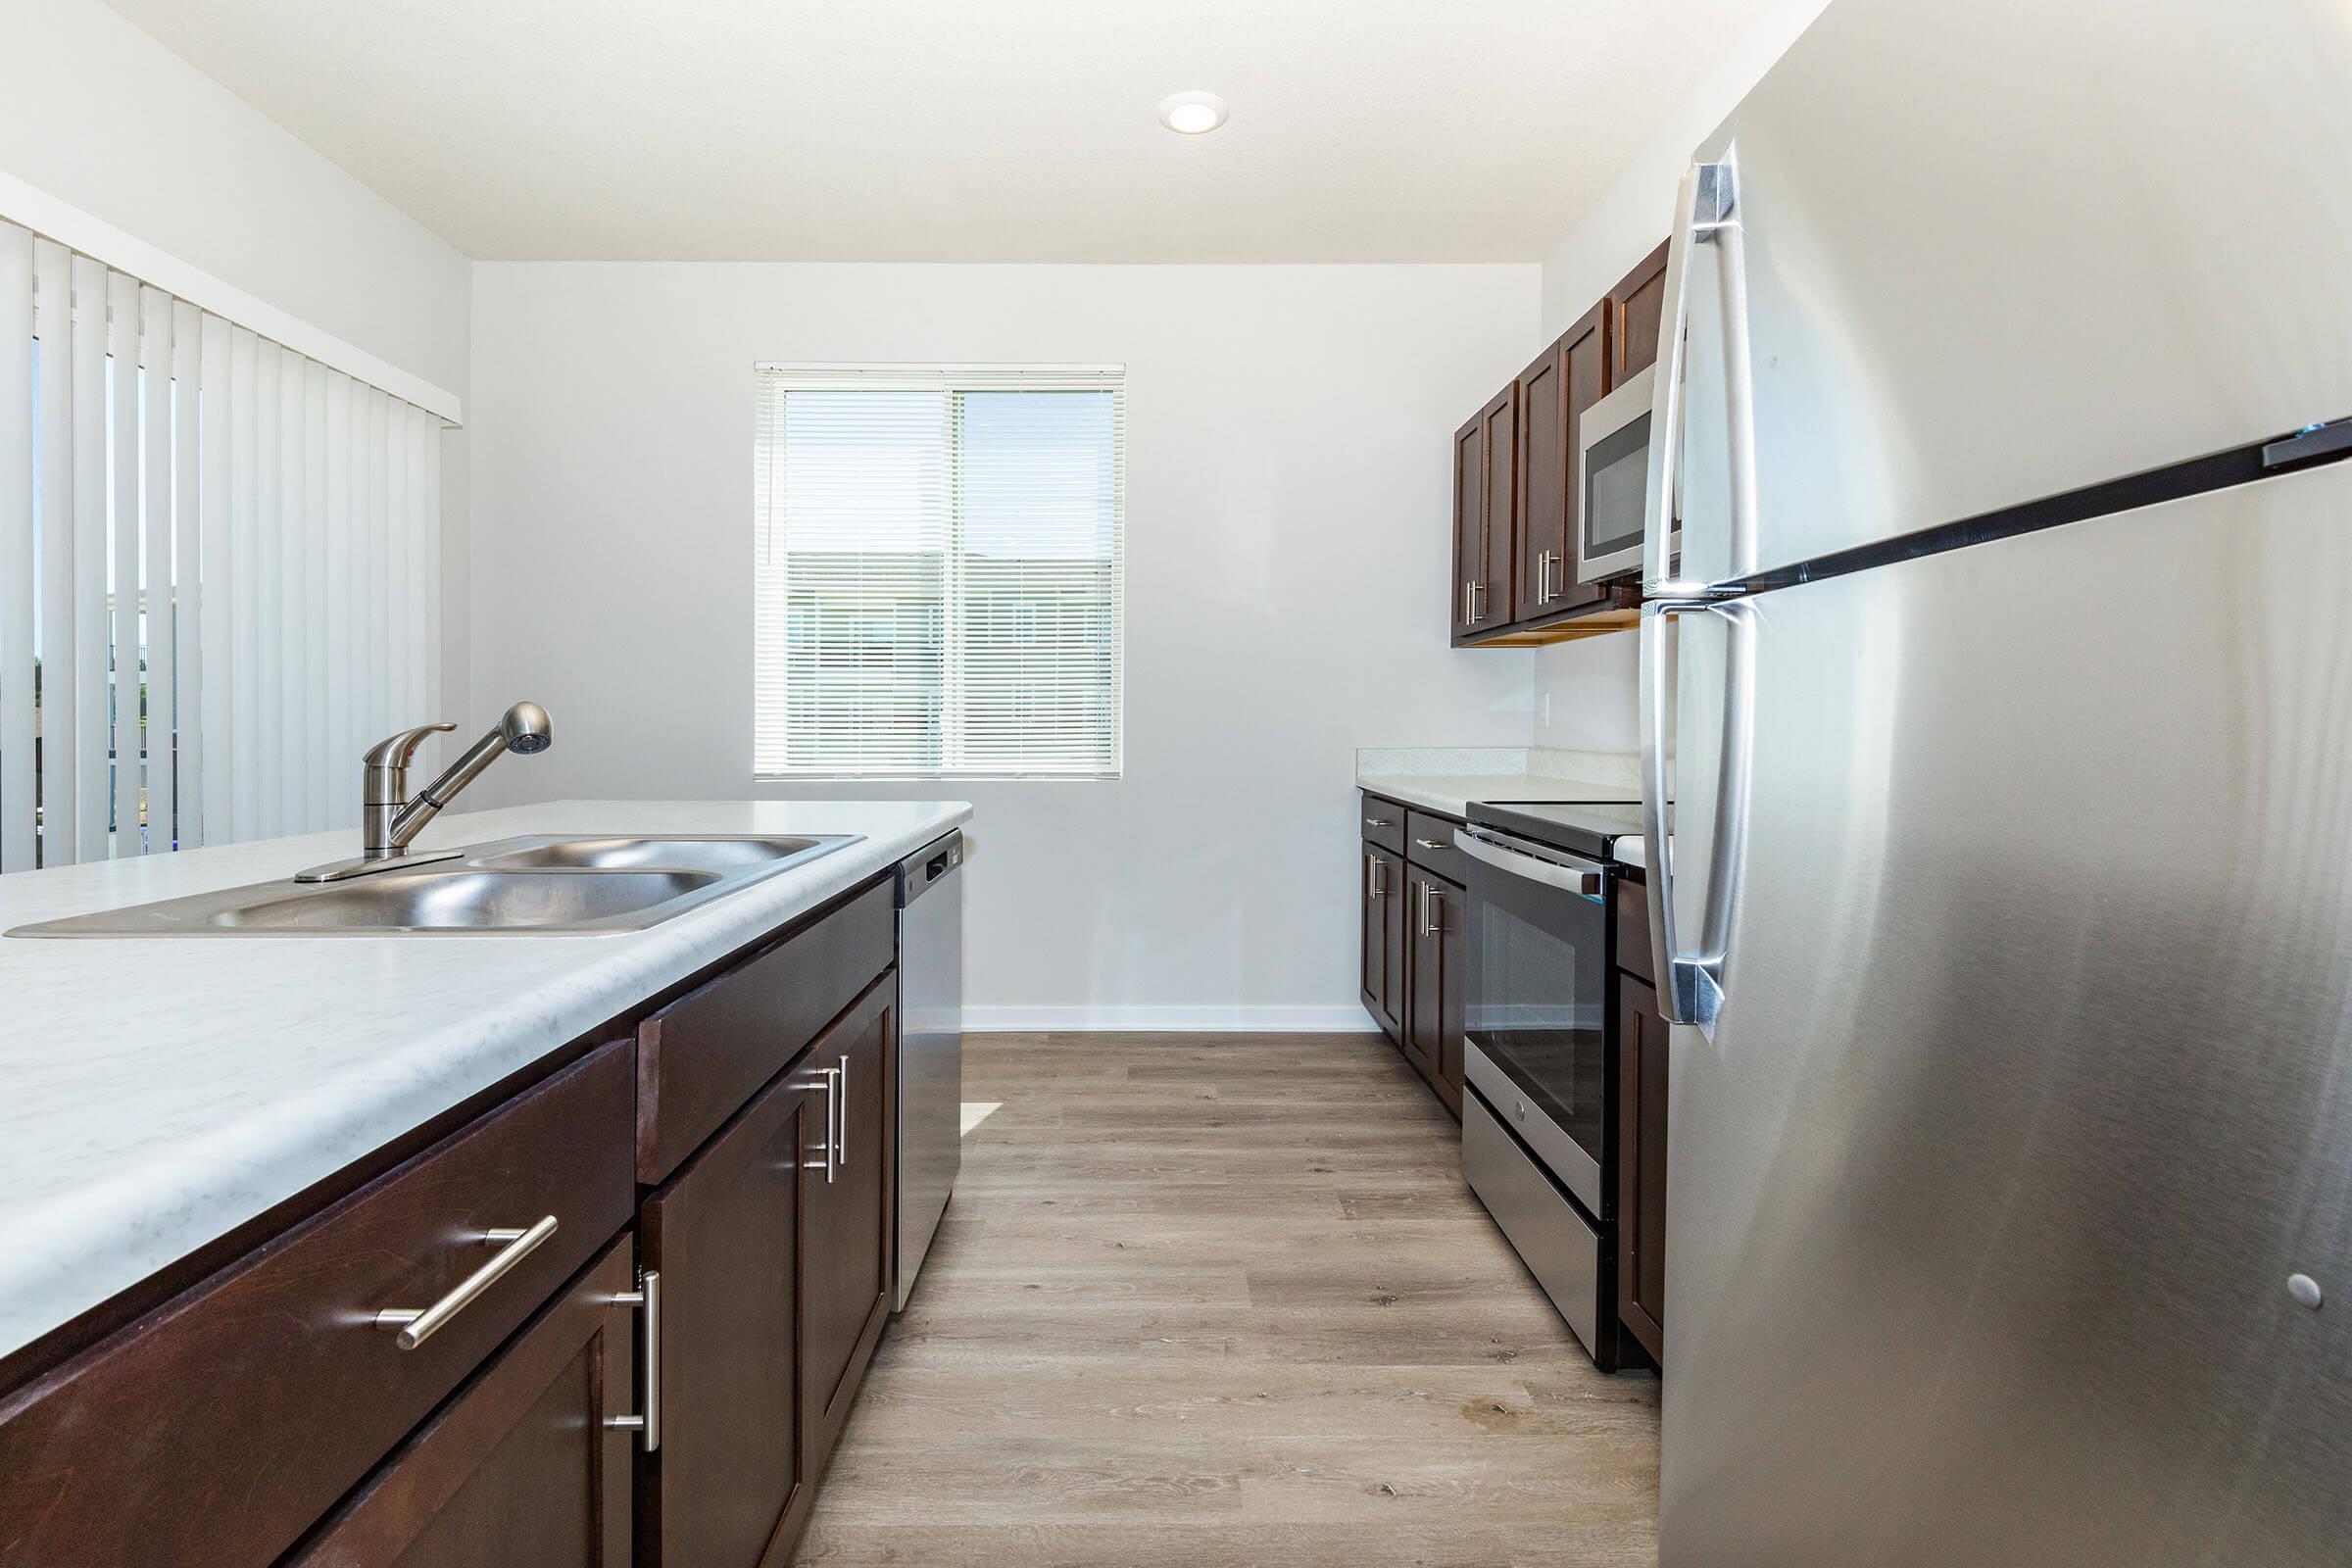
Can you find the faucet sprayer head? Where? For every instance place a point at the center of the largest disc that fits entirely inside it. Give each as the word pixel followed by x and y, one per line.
pixel 527 730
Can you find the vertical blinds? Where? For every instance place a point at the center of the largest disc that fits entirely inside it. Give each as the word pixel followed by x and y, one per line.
pixel 219 571
pixel 940 572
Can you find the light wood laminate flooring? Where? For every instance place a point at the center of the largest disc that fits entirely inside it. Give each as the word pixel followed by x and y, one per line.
pixel 1212 1299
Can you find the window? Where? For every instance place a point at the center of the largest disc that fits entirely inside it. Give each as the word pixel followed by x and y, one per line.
pixel 939 571
pixel 219 569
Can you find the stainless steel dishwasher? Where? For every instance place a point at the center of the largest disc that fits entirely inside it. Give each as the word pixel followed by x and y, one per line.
pixel 930 1047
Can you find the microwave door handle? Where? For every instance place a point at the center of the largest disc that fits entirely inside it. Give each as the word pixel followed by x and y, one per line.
pixel 1584 882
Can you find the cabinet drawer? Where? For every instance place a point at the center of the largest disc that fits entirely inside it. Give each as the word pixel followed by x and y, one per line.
pixel 219 1428
pixel 1384 822
pixel 1633 929
pixel 700 1058
pixel 521 1468
pixel 1429 844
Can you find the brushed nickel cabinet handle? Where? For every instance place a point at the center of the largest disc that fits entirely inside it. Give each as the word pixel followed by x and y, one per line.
pixel 1478 603
pixel 418 1326
pixel 831 1165
pixel 1372 869
pixel 840 1141
pixel 648 1294
pixel 1429 844
pixel 1378 821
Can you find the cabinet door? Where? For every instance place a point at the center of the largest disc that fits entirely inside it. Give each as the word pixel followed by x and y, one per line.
pixel 846 1216
pixel 1491 598
pixel 1420 981
pixel 519 1469
pixel 1383 900
pixel 1469 518
pixel 724 1235
pixel 1554 394
pixel 1636 306
pixel 1641 1037
pixel 1441 949
pixel 1449 912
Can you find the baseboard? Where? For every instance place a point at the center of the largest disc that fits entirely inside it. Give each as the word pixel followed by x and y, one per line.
pixel 1350 1018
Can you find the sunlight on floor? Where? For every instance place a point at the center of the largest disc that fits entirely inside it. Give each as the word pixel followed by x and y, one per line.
pixel 976 1111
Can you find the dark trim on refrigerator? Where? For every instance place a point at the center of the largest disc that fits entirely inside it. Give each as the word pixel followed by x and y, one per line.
pixel 2310 447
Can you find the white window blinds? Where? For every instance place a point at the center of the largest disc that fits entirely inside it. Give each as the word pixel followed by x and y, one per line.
pixel 939 555
pixel 219 569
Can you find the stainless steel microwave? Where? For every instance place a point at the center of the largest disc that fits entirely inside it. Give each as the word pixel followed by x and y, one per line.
pixel 1612 480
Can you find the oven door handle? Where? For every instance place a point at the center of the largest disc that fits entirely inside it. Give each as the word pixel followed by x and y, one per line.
pixel 1584 882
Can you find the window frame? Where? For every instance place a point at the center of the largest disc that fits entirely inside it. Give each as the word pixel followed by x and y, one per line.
pixel 949 380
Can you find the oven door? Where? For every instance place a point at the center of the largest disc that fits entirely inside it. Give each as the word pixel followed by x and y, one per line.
pixel 1538 1008
pixel 1612 479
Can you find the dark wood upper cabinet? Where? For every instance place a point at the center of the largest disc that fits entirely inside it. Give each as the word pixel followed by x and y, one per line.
pixel 1515 489
pixel 1634 307
pixel 846 1216
pixel 1469 518
pixel 1642 1055
pixel 1440 963
pixel 519 1470
pixel 1568 378
pixel 1492 595
pixel 1545 469
pixel 725 1238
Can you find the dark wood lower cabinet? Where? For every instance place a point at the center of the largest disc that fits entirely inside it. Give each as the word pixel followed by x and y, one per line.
pixel 846 1217
pixel 724 1235
pixel 1440 955
pixel 1642 1063
pixel 519 1469
pixel 1383 899
pixel 271 1413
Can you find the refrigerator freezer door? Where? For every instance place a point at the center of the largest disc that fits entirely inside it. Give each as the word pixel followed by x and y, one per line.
pixel 2002 250
pixel 2030 1090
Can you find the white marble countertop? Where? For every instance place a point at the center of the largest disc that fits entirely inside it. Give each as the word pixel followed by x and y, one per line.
pixel 161 1091
pixel 1453 793
pixel 1449 778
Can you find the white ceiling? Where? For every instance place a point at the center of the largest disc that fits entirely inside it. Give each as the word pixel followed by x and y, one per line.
pixel 966 129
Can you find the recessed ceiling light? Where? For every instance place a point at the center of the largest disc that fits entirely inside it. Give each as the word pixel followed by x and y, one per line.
pixel 1191 114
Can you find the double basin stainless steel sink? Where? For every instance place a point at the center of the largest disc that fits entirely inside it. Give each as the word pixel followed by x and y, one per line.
pixel 533 886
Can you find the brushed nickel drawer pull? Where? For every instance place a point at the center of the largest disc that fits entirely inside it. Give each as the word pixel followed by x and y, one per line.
pixel 841 1140
pixel 648 1294
pixel 417 1327
pixel 1432 844
pixel 1378 821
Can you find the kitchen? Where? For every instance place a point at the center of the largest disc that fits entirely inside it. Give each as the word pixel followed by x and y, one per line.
pixel 1817 1039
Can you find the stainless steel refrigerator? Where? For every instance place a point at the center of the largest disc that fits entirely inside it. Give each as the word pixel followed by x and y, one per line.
pixel 2003 691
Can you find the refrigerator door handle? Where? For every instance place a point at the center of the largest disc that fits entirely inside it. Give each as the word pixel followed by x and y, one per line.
pixel 1666 391
pixel 1691 978
pixel 1706 213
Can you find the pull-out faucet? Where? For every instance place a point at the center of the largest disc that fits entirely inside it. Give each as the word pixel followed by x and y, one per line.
pixel 392 818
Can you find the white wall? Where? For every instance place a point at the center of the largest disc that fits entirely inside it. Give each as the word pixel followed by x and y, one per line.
pixel 99 115
pixel 1591 683
pixel 1287 497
